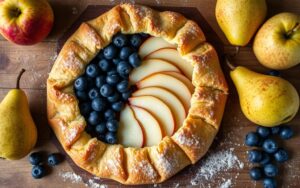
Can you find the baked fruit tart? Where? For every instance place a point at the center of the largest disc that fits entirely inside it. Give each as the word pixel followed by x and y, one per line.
pixel 136 95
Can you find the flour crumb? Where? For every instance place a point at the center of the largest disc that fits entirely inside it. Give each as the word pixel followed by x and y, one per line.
pixel 92 184
pixel 70 176
pixel 226 184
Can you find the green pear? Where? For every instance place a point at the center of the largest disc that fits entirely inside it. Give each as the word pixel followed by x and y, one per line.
pixel 18 132
pixel 265 100
pixel 239 19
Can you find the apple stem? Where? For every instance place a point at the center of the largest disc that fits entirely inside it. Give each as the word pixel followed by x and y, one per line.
pixel 295 28
pixel 18 78
pixel 229 64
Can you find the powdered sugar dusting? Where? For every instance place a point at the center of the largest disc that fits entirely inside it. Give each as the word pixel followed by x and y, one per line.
pixel 70 176
pixel 187 141
pixel 226 184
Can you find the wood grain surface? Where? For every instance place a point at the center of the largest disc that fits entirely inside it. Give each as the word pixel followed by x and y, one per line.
pixel 38 60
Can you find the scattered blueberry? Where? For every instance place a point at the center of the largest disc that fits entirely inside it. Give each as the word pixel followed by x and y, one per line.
pixel 109 114
pixel 114 98
pixel 275 130
pixel 82 95
pixel 270 145
pixel 274 73
pixel 286 132
pixel 54 159
pixel 125 52
pixel 252 139
pixel 110 51
pixel 269 183
pixel 94 93
pixel 270 170
pixel 135 60
pixel 100 81
pixel 112 72
pixel 106 90
pixel 98 104
pixel 281 155
pixel 85 108
pixel 116 61
pixel 35 158
pixel 38 171
pixel 256 173
pixel 111 138
pixel 112 79
pixel 94 118
pixel 120 40
pixel 100 128
pixel 112 125
pixel 123 68
pixel 263 132
pixel 265 158
pixel 255 156
pixel 136 40
pixel 81 83
pixel 117 106
pixel 92 70
pixel 104 65
pixel 123 86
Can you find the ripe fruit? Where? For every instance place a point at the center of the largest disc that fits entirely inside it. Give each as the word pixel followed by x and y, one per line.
pixel 35 158
pixel 252 139
pixel 270 145
pixel 271 170
pixel 281 155
pixel 269 183
pixel 54 159
pixel 38 171
pixel 286 132
pixel 264 132
pixel 256 173
pixel 254 156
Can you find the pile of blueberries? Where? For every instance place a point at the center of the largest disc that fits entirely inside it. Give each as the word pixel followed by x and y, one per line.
pixel 104 88
pixel 268 154
pixel 37 160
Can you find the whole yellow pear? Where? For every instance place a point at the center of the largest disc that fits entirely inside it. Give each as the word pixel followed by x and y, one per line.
pixel 239 19
pixel 277 43
pixel 18 132
pixel 265 100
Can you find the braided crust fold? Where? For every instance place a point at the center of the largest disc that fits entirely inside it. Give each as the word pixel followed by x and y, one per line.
pixel 137 165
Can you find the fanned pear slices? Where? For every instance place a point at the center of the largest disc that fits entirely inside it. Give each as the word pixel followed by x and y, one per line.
pixel 171 55
pixel 170 83
pixel 152 44
pixel 130 132
pixel 151 66
pixel 158 109
pixel 169 99
pixel 183 79
pixel 152 130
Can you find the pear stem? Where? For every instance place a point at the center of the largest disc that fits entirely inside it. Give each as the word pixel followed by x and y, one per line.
pixel 229 64
pixel 18 78
pixel 295 28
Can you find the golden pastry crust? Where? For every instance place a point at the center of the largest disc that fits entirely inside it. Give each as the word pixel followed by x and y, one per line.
pixel 137 165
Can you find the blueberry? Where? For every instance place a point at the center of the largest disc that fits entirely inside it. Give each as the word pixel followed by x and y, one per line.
pixel 124 68
pixel 98 104
pixel 112 79
pixel 81 83
pixel 111 138
pixel 274 73
pixel 35 158
pixel 123 86
pixel 281 155
pixel 144 35
pixel 116 61
pixel 100 81
pixel 112 125
pixel 82 95
pixel 101 137
pixel 136 40
pixel 100 128
pixel 256 173
pixel 265 158
pixel 85 108
pixel 100 55
pixel 110 51
pixel 106 90
pixel 124 76
pixel 126 95
pixel 54 159
pixel 38 171
pixel 125 52
pixel 104 65
pixel 92 70
pixel 135 60
pixel 94 118
pixel 269 183
pixel 275 130
pixel 91 82
pixel 93 93
pixel 117 106
pixel 109 114
pixel 120 40
pixel 112 72
pixel 286 132
pixel 252 139
pixel 114 97
pixel 263 132
pixel 270 170
pixel 270 145
pixel 254 156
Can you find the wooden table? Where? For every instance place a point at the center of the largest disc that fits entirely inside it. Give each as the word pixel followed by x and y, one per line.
pixel 38 60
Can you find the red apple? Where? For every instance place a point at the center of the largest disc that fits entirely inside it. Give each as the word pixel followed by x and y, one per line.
pixel 25 22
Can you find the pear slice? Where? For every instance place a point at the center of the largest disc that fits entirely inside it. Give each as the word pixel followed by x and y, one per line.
pixel 152 44
pixel 153 131
pixel 182 78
